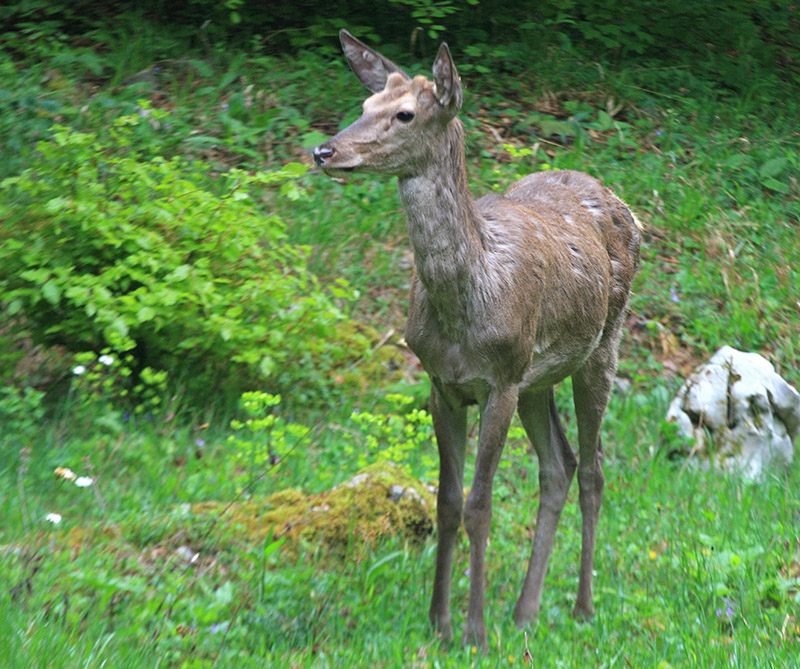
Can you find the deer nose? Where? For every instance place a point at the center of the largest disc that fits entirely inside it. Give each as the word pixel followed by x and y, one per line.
pixel 323 153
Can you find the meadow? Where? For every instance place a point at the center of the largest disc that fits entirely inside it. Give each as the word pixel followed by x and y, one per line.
pixel 166 247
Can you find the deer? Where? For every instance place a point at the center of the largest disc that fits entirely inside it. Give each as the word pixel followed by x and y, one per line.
pixel 511 294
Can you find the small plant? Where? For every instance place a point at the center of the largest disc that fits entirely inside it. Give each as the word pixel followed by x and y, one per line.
pixel 21 412
pixel 264 439
pixel 105 392
pixel 401 435
pixel 99 377
pixel 429 13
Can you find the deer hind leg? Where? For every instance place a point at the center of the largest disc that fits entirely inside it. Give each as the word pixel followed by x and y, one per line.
pixel 556 469
pixel 591 390
pixel 450 426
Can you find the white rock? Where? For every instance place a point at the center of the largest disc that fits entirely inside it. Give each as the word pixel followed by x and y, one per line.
pixel 186 553
pixel 739 412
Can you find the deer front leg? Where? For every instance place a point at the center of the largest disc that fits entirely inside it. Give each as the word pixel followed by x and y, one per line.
pixel 495 419
pixel 450 426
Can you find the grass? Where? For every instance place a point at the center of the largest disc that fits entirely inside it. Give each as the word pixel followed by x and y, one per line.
pixel 693 568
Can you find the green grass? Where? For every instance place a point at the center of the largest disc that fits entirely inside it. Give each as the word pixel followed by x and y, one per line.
pixel 693 568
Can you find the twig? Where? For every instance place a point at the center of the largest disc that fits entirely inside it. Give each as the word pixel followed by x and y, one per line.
pixel 527 655
pixel 386 337
pixel 24 457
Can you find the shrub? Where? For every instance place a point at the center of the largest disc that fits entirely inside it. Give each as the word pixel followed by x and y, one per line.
pixel 399 434
pixel 264 439
pixel 102 248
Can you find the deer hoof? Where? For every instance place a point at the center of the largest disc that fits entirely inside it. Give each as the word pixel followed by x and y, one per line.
pixel 583 612
pixel 524 616
pixel 442 629
pixel 475 635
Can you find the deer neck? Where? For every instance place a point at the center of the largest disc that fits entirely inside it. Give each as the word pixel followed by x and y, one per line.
pixel 445 227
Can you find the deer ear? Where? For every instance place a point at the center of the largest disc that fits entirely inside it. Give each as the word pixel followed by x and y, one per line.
pixel 446 84
pixel 370 67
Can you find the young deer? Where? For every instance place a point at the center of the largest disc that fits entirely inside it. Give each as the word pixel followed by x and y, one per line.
pixel 512 293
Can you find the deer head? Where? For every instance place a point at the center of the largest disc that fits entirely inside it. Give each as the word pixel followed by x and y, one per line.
pixel 402 121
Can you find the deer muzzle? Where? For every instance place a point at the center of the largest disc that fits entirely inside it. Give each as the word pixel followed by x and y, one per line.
pixel 322 154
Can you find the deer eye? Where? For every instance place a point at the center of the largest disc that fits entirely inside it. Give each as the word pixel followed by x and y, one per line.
pixel 404 116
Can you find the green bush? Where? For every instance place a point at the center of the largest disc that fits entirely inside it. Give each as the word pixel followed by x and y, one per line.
pixel 101 248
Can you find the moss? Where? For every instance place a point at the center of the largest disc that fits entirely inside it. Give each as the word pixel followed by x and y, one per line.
pixel 286 497
pixel 379 501
pixel 377 359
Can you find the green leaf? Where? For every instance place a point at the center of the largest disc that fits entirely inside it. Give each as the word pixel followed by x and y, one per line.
pixel 168 297
pixel 293 170
pixel 736 160
pixel 51 292
pixel 145 314
pixel 772 168
pixel 202 67
pixel 554 127
pixel 223 595
pixel 179 273
pixel 204 140
pixel 774 184
pixel 119 326
pixel 312 138
pixel 266 366
pixel 604 120
pixel 271 546
pixel 56 205
pixel 291 191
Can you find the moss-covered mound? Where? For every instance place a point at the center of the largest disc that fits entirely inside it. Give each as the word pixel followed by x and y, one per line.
pixel 379 501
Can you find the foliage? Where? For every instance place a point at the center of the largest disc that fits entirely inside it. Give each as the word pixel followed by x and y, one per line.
pixel 264 439
pixel 398 434
pixel 103 387
pixel 728 40
pixel 731 41
pixel 160 555
pixel 104 249
pixel 428 13
pixel 21 413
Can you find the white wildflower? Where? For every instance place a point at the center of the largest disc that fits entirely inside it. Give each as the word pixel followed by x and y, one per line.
pixel 107 360
pixel 84 481
pixel 54 518
pixel 80 369
pixel 65 473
